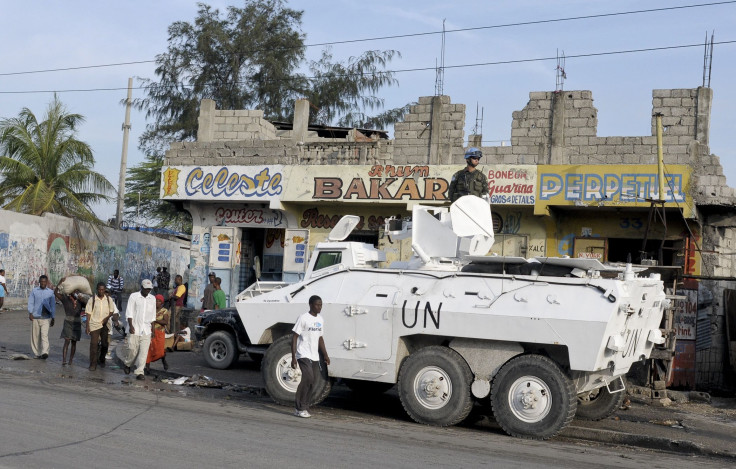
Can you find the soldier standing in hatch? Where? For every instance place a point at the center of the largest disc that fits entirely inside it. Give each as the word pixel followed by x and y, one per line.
pixel 469 180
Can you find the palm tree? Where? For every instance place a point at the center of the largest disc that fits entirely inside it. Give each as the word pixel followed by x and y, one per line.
pixel 44 168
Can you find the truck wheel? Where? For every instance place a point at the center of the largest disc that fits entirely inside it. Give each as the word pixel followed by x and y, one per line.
pixel 532 397
pixel 282 380
pixel 434 386
pixel 364 388
pixel 598 404
pixel 220 351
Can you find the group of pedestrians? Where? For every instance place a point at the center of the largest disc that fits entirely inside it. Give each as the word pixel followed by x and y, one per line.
pixel 147 318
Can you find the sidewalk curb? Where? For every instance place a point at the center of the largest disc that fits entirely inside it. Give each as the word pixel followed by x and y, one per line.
pixel 644 441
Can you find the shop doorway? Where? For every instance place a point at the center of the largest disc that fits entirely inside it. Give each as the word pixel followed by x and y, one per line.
pixel 629 250
pixel 267 244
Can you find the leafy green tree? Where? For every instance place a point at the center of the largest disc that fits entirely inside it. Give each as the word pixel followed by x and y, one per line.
pixel 44 168
pixel 249 58
pixel 142 191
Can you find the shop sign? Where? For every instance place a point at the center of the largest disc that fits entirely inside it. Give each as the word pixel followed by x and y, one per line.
pixel 507 184
pixel 253 217
pixel 686 312
pixel 229 183
pixel 610 185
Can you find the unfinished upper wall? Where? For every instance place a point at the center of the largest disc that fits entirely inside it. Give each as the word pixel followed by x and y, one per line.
pixel 561 128
pixel 222 125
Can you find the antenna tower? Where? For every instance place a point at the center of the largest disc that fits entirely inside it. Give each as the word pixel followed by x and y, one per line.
pixel 440 78
pixel 478 129
pixel 707 59
pixel 560 74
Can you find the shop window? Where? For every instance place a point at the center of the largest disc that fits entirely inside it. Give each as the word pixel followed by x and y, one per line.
pixel 364 236
pixel 630 250
pixel 326 259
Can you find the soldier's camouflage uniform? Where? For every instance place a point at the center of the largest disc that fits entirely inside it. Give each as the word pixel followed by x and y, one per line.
pixel 466 183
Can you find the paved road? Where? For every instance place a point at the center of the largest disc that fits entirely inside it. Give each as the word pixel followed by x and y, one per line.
pixel 64 420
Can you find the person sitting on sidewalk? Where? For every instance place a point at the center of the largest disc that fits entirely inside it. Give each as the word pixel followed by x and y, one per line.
pixel 183 338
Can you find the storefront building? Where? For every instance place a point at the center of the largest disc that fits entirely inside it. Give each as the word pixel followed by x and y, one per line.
pixel 266 193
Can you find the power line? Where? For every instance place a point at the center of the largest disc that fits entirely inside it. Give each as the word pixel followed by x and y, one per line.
pixel 405 70
pixel 403 36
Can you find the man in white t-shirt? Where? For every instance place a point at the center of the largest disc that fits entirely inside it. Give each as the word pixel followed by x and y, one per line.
pixel 306 345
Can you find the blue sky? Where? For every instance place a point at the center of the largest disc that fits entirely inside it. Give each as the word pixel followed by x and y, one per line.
pixel 54 34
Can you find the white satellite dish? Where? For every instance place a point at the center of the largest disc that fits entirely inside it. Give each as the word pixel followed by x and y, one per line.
pixel 343 228
pixel 471 216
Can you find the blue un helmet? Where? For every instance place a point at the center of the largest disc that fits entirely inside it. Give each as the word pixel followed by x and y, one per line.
pixel 473 153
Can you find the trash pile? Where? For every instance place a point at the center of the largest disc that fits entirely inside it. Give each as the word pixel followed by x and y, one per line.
pixel 195 380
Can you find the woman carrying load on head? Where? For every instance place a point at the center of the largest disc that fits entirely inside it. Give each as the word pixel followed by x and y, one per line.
pixel 72 330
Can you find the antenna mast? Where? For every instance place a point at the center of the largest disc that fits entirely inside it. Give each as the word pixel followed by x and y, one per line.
pixel 440 78
pixel 708 59
pixel 560 74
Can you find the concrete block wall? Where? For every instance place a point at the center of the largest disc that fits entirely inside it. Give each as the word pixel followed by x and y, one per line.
pixel 31 246
pixel 414 137
pixel 278 151
pixel 241 125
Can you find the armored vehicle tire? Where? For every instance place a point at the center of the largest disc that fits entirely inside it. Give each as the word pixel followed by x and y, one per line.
pixel 434 386
pixel 532 397
pixel 364 388
pixel 598 404
pixel 282 380
pixel 220 351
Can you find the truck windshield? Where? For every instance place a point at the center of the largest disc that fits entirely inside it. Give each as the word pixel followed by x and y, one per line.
pixel 326 259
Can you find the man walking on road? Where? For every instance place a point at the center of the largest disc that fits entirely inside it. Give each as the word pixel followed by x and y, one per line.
pixel 208 301
pixel 116 285
pixel 100 309
pixel 3 288
pixel 41 312
pixel 306 345
pixel 140 313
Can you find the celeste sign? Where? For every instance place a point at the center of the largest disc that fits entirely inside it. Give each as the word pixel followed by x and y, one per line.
pixel 229 183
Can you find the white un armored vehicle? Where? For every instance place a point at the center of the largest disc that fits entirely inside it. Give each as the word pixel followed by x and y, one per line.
pixel 544 337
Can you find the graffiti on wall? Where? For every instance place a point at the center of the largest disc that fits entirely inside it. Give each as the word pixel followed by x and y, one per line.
pixel 24 260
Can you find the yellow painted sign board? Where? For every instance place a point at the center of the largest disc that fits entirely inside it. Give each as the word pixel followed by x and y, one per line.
pixel 611 186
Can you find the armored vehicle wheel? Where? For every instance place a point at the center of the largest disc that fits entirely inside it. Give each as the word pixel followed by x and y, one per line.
pixel 220 351
pixel 282 380
pixel 532 397
pixel 434 386
pixel 598 404
pixel 364 388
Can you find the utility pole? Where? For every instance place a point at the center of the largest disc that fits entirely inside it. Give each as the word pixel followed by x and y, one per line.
pixel 124 157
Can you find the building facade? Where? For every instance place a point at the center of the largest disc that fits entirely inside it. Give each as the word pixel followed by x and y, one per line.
pixel 266 193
